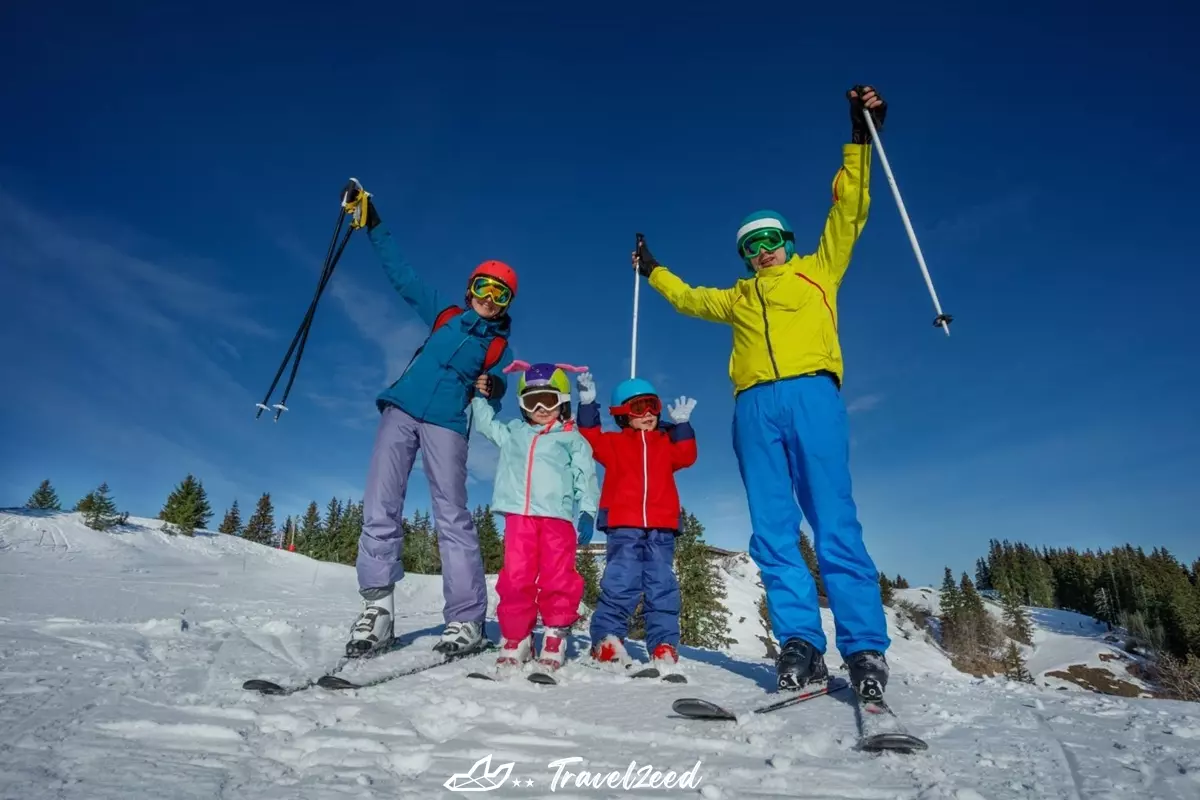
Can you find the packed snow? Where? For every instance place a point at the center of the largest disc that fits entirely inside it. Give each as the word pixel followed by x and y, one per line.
pixel 124 653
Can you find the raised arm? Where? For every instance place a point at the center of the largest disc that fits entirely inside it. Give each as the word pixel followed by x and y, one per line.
pixel 423 298
pixel 484 420
pixel 681 434
pixel 851 200
pixel 851 186
pixel 589 428
pixel 714 305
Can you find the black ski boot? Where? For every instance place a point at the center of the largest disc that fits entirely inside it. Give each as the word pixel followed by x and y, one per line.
pixel 799 664
pixel 868 674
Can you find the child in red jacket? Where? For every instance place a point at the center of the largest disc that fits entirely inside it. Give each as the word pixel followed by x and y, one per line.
pixel 639 512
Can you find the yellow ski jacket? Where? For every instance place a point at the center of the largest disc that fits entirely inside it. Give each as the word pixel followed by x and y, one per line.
pixel 784 318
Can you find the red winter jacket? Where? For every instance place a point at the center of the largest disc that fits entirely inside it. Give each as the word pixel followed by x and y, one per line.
pixel 639 471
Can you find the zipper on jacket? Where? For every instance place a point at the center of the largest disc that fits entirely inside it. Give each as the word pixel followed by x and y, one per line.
pixel 529 467
pixel 645 482
pixel 766 326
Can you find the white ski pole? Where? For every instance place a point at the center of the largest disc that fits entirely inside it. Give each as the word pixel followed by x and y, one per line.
pixel 637 285
pixel 942 320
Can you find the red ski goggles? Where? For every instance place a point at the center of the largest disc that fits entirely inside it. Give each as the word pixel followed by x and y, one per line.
pixel 646 405
pixel 485 288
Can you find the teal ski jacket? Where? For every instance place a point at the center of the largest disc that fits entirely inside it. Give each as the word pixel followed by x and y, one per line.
pixel 544 470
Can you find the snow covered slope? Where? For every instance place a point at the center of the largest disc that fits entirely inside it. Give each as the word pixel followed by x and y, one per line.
pixel 1064 644
pixel 103 694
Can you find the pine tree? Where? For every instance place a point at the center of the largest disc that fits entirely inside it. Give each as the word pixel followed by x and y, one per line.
pixel 900 582
pixel 232 524
pixel 345 544
pixel 187 507
pixel 885 590
pixel 261 527
pixel 814 567
pixel 703 617
pixel 1019 626
pixel 983 576
pixel 767 637
pixel 186 511
pixel 589 570
pixel 489 539
pixel 1014 665
pixel 419 549
pixel 309 535
pixel 44 499
pixel 286 535
pixel 102 514
pixel 951 597
pixel 85 503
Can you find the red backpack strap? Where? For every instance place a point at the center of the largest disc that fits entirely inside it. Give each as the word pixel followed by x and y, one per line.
pixel 495 352
pixel 445 315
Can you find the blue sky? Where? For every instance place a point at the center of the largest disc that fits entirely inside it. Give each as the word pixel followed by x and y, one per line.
pixel 168 181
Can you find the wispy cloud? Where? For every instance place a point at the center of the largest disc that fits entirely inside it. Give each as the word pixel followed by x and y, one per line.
pixel 863 403
pixel 972 222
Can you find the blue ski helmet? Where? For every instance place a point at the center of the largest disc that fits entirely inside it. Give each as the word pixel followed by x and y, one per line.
pixel 634 387
pixel 766 218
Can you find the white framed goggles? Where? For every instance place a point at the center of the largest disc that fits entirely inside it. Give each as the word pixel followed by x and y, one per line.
pixel 546 399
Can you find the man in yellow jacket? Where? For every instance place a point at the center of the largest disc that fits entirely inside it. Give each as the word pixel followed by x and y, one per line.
pixel 790 430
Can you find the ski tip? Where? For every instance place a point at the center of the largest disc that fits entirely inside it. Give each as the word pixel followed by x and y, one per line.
pixel 674 677
pixel 263 687
pixel 903 743
pixel 336 683
pixel 543 679
pixel 480 676
pixel 695 708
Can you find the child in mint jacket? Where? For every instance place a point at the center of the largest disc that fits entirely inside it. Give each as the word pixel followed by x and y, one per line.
pixel 545 476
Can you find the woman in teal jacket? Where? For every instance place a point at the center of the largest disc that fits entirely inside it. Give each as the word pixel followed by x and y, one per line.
pixel 545 475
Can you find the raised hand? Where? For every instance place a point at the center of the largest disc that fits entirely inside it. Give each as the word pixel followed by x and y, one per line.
pixel 865 98
pixel 681 410
pixel 587 388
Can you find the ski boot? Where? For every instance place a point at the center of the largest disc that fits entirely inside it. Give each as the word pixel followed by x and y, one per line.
pixel 460 637
pixel 554 648
pixel 610 652
pixel 514 654
pixel 372 630
pixel 798 665
pixel 868 675
pixel 665 658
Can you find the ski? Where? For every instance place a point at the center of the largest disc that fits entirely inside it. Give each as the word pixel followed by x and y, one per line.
pixel 653 672
pixel 270 687
pixel 543 678
pixel 337 683
pixel 696 708
pixel 880 730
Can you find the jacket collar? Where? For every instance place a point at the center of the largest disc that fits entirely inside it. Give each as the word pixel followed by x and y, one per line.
pixel 476 324
pixel 779 269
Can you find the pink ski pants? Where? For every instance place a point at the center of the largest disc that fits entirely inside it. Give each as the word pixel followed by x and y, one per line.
pixel 538 575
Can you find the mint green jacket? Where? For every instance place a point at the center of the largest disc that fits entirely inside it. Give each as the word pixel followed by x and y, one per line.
pixel 544 471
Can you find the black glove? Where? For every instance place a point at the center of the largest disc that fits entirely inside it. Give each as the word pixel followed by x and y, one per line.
pixel 493 389
pixel 646 263
pixel 350 194
pixel 859 132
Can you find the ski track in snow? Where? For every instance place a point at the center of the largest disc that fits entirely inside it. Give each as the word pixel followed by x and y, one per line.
pixel 102 695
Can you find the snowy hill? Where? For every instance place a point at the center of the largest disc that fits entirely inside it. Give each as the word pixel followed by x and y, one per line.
pixel 1070 651
pixel 104 694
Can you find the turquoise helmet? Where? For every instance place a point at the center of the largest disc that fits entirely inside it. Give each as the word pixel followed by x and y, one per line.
pixel 634 387
pixel 766 218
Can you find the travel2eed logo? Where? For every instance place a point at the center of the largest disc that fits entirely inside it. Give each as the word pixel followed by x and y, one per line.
pixel 482 777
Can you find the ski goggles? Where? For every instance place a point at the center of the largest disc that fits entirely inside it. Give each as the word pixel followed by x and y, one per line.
pixel 646 405
pixel 768 239
pixel 542 399
pixel 485 288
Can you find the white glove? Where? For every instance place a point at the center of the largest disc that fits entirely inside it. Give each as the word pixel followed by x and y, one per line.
pixel 681 411
pixel 587 389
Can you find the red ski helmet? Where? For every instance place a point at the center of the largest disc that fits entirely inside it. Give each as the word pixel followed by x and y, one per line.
pixel 498 270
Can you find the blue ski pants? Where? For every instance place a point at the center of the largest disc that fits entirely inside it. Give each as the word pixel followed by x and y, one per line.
pixel 792 442
pixel 639 565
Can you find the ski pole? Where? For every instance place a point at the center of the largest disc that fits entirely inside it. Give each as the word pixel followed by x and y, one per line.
pixel 357 211
pixel 637 285
pixel 942 320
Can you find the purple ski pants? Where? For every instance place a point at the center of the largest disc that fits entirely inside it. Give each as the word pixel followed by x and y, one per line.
pixel 381 545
